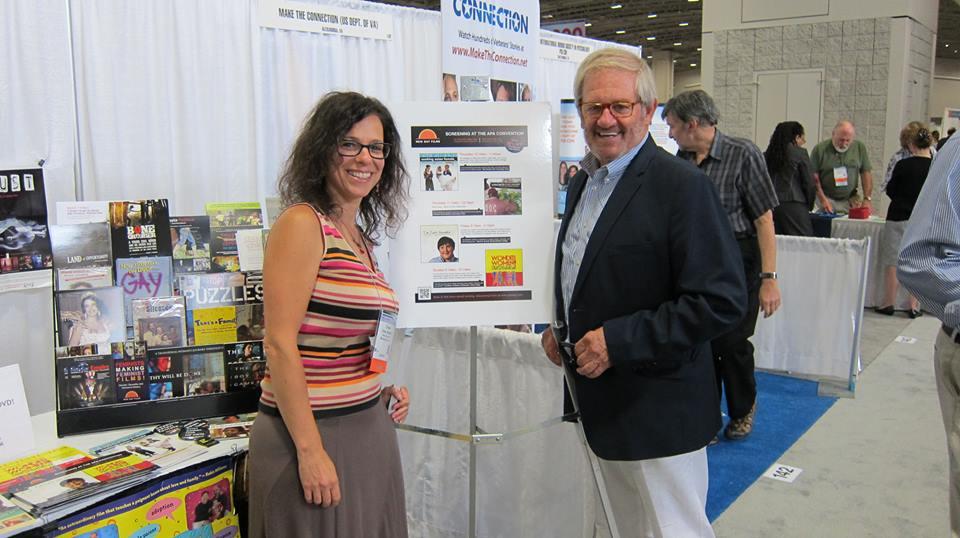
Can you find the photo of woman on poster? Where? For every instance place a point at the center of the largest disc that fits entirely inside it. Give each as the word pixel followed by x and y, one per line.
pixel 91 317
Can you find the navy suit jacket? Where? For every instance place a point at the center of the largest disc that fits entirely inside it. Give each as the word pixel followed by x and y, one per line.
pixel 662 275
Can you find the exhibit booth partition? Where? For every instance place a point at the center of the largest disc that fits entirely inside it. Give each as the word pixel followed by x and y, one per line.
pixel 196 103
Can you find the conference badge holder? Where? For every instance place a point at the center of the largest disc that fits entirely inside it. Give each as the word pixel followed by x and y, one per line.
pixel 840 176
pixel 386 327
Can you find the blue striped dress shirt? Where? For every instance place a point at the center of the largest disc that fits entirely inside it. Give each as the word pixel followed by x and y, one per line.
pixel 601 182
pixel 929 264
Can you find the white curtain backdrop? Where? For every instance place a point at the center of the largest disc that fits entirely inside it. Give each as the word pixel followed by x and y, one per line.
pixel 297 68
pixel 165 94
pixel 193 102
pixel 816 331
pixel 36 122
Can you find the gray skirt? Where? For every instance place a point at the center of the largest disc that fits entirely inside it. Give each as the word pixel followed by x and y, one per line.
pixel 363 447
pixel 890 241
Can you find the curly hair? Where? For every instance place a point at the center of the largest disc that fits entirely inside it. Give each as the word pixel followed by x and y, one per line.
pixel 777 153
pixel 307 170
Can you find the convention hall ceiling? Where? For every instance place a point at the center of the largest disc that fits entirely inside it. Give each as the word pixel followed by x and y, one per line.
pixel 674 21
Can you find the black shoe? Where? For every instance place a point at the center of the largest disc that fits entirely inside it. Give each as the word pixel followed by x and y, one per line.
pixel 886 310
pixel 914 314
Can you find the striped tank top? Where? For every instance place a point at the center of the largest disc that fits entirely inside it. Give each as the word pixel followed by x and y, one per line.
pixel 335 336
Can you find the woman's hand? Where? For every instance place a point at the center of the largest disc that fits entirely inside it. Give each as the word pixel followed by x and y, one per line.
pixel 318 477
pixel 402 407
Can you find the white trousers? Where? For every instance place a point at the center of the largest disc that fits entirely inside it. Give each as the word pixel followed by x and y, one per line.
pixel 657 498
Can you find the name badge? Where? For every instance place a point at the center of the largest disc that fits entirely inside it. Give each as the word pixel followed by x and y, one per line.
pixel 382 341
pixel 840 176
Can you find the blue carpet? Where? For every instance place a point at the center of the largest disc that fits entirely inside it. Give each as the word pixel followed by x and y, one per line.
pixel 786 408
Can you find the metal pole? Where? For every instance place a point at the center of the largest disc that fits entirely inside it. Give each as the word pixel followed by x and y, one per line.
pixel 474 351
pixel 858 318
pixel 77 158
pixel 591 458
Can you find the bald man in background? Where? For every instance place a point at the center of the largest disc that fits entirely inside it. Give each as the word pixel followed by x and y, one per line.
pixel 840 165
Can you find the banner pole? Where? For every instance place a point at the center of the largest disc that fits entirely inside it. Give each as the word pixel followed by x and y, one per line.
pixel 474 352
pixel 591 457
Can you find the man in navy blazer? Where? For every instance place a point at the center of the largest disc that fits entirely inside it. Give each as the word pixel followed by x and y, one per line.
pixel 647 273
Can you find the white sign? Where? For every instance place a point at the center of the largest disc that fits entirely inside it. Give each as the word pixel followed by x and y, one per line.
pixel 477 246
pixel 250 249
pixel 489 49
pixel 324 19
pixel 82 212
pixel 905 340
pixel 16 429
pixel 26 280
pixel 783 473
pixel 555 46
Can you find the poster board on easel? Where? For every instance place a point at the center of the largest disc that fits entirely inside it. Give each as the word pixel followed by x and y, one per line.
pixel 477 246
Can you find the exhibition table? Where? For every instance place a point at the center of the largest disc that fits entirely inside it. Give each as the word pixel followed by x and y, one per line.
pixel 847 228
pixel 45 438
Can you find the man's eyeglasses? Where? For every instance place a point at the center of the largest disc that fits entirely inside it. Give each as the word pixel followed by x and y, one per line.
pixel 619 109
pixel 352 148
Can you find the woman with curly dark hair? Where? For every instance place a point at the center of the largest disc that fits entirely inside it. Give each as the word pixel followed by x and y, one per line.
pixel 324 459
pixel 789 167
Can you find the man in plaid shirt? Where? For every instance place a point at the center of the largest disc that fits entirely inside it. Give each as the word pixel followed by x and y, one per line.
pixel 738 170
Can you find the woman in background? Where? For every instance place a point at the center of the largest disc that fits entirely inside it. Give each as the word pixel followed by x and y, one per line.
pixel 789 167
pixel 907 179
pixel 324 459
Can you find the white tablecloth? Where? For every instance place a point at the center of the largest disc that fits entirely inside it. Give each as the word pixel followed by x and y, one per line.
pixel 844 227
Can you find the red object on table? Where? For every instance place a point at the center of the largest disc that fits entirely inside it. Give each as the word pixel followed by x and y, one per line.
pixel 859 212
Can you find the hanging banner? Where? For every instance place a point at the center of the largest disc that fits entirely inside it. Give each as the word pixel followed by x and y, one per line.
pixel 489 49
pixel 25 254
pixel 554 46
pixel 577 28
pixel 572 148
pixel 324 19
pixel 476 248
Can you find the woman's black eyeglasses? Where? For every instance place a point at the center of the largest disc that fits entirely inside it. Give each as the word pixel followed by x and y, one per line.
pixel 352 148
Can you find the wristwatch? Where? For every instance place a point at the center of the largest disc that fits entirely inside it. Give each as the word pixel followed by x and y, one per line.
pixel 868 198
pixel 771 275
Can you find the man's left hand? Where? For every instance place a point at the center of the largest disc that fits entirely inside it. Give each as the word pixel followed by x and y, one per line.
pixel 769 297
pixel 592 357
